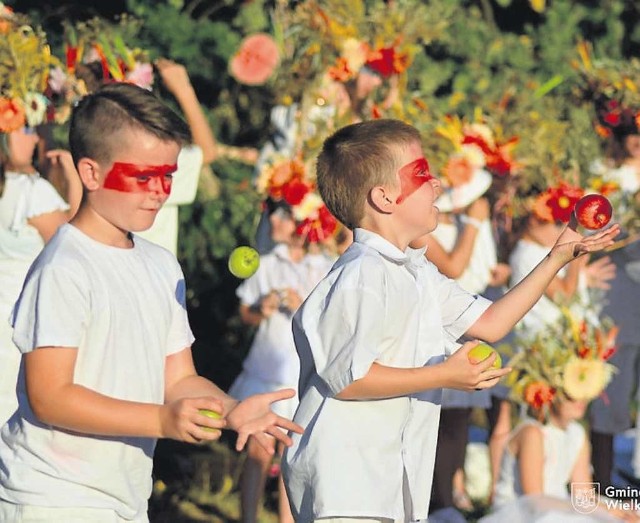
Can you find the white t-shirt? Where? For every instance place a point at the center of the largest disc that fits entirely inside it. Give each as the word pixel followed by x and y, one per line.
pixel 125 311
pixel 273 356
pixel 24 196
pixel 378 304
pixel 164 230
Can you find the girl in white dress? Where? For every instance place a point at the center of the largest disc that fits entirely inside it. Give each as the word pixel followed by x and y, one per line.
pixel 547 458
pixel 268 299
pixel 31 210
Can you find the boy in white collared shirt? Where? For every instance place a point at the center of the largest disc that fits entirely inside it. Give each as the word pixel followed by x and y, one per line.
pixel 371 337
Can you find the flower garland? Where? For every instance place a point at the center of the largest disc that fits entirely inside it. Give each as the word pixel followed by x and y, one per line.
pixel 25 61
pixel 568 358
pixel 285 179
pixel 475 146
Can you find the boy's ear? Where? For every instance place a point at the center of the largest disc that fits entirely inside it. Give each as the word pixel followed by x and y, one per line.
pixel 381 200
pixel 89 171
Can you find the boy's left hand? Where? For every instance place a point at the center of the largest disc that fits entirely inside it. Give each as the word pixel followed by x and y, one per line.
pixel 572 244
pixel 253 417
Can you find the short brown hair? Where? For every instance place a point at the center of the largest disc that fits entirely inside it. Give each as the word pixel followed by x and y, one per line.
pixel 357 158
pixel 100 117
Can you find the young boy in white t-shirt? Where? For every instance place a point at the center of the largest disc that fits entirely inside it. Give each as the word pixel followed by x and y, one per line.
pixel 105 340
pixel 371 336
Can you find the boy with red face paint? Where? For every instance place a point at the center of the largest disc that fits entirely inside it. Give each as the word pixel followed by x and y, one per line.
pixel 371 336
pixel 105 340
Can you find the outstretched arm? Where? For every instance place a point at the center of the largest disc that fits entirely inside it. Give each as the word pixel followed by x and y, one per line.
pixel 505 312
pixel 56 400
pixel 176 79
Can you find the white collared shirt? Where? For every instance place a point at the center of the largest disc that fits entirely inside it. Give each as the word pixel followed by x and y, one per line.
pixel 378 304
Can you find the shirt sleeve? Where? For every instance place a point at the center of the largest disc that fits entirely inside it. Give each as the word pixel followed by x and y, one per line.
pixel 44 199
pixel 52 310
pixel 346 338
pixel 180 334
pixel 460 309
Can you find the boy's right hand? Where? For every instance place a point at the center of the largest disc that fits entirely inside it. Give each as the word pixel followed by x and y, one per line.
pixel 182 420
pixel 467 376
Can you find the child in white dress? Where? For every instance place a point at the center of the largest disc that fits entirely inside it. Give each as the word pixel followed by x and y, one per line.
pixel 268 299
pixel 30 212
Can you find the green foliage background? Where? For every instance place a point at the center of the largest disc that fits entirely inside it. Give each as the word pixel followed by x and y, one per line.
pixel 489 48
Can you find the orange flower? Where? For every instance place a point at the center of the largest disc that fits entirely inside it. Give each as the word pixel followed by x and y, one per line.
pixel 340 72
pixel 12 115
pixel 537 394
pixel 458 170
pixel 256 59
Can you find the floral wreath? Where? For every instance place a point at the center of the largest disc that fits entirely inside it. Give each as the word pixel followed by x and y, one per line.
pixel 285 179
pixel 567 358
pixel 25 61
pixel 611 86
pixel 476 146
pixel 97 41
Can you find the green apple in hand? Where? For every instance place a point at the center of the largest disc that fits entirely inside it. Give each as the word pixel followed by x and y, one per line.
pixel 244 262
pixel 481 352
pixel 210 414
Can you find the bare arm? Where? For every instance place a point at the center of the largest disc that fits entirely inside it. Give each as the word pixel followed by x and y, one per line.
pixel 452 263
pixel 253 315
pixel 456 372
pixel 56 400
pixel 176 79
pixel 581 472
pixel 504 313
pixel 530 455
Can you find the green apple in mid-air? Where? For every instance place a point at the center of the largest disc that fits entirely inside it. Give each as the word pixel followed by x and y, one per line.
pixel 210 414
pixel 244 262
pixel 481 352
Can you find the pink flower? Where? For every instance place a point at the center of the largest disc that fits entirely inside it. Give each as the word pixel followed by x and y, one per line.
pixel 141 75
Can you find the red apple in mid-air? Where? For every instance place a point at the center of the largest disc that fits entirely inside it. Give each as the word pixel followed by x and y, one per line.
pixel 244 262
pixel 481 352
pixel 593 211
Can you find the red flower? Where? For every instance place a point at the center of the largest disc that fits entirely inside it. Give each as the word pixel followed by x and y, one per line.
pixel 557 203
pixel 612 119
pixel 318 228
pixel 538 394
pixel 294 191
pixel 387 61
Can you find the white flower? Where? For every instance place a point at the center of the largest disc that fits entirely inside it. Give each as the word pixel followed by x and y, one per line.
pixel 473 153
pixel 141 75
pixel 355 53
pixel 35 108
pixel 308 207
pixel 585 379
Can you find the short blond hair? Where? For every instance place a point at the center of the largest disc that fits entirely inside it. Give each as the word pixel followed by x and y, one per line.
pixel 357 158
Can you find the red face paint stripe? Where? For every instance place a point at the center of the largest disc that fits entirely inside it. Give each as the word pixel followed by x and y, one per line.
pixel 412 177
pixel 129 177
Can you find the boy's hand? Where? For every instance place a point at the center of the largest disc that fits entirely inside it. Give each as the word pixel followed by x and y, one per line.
pixel 253 417
pixel 572 244
pixel 183 421
pixel 464 375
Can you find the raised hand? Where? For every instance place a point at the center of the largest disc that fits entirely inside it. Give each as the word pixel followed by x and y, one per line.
pixel 572 244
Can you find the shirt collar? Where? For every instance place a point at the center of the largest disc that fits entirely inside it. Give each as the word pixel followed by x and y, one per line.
pixel 414 257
